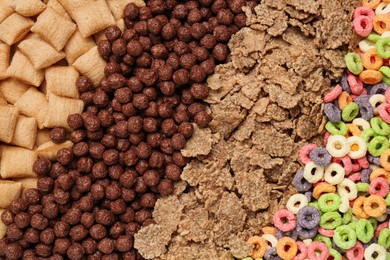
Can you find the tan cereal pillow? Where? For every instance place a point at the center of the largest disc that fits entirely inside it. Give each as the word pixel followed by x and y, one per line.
pixel 91 16
pixel 6 9
pixel 25 132
pixel 24 167
pixel 43 136
pixel 33 104
pixel 3 101
pixel 49 149
pixel 22 69
pixel 91 65
pixel 14 28
pixel 54 28
pixel 29 7
pixel 9 191
pixel 77 46
pixel 58 8
pixel 117 6
pixel 12 89
pixel 39 52
pixel 58 110
pixel 4 59
pixel 8 119
pixel 61 80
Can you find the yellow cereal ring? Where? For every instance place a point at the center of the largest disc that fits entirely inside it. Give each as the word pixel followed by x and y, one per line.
pixel 260 246
pixel 371 3
pixel 358 206
pixel 286 248
pixel 344 99
pixel 385 159
pixel 323 188
pixel 381 23
pixel 380 173
pixel 371 60
pixel 374 206
pixel 370 76
pixel 354 130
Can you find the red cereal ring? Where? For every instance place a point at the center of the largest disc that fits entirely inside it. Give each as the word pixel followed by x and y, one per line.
pixel 364 11
pixel 356 252
pixel 304 153
pixel 302 251
pixel 379 186
pixel 333 95
pixel 355 177
pixel 315 247
pixel 284 220
pixel 355 84
pixel 384 111
pixel 362 25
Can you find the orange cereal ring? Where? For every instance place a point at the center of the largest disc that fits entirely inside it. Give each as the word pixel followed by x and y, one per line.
pixel 286 248
pixel 323 188
pixel 344 99
pixel 370 76
pixel 381 23
pixel 385 159
pixel 358 206
pixel 371 3
pixel 380 173
pixel 374 206
pixel 259 246
pixel 386 1
pixel 270 230
pixel 371 60
pixel 354 130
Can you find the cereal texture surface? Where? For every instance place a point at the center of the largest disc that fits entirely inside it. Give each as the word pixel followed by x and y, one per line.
pixel 266 104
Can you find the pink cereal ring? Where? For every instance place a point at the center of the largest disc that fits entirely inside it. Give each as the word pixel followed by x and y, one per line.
pixel 355 84
pixel 326 137
pixel 351 202
pixel 362 25
pixel 356 252
pixel 319 183
pixel 380 227
pixel 346 163
pixel 335 93
pixel 284 220
pixel 387 95
pixel 384 111
pixel 363 162
pixel 318 247
pixel 355 177
pixel 325 232
pixel 355 167
pixel 304 153
pixel 302 249
pixel 364 11
pixel 379 186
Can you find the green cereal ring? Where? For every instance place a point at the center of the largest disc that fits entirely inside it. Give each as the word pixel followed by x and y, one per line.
pixel 326 198
pixel 387 199
pixel 384 238
pixel 385 70
pixel 362 188
pixel 344 237
pixel 354 63
pixel 336 128
pixel 323 239
pixel 378 145
pixel 379 126
pixel 347 217
pixel 368 134
pixel 387 256
pixel 352 225
pixel 364 230
pixel 380 47
pixel 373 37
pixel 314 204
pixel 374 222
pixel 350 112
pixel 331 220
pixel 336 255
pixel 247 258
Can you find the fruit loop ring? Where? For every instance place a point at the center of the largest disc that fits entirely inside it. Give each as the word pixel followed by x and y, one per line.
pixel 318 247
pixel 325 232
pixel 260 246
pixel 320 156
pixel 379 186
pixel 300 183
pixel 380 47
pixel 364 230
pixel 355 84
pixel 296 202
pixel 344 237
pixel 344 99
pixel 364 11
pixel 284 220
pixel 370 76
pixel 302 251
pixel 323 188
pixel 358 207
pixel 333 95
pixel 308 217
pixel 375 252
pixel 384 112
pixel 381 23
pixel 337 146
pixel 287 248
pixel 329 202
pixel 357 146
pixel 378 125
pixel 371 60
pixel 334 174
pixel 385 159
pixel 356 252
pixel 374 206
pixel 380 173
pixel 304 153
pixel 312 172
pixel 371 3
pixel 348 189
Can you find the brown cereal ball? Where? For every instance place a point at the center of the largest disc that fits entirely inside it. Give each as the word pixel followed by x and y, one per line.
pixel 84 84
pixel 18 206
pixel 220 52
pixel 47 236
pixel 106 246
pixel 184 34
pixel 202 119
pixel 119 47
pixel 31 236
pixel 165 187
pixel 42 166
pixel 32 196
pixel 180 12
pixel 187 61
pixel 39 222
pixel 194 16
pixel 225 17
pixel 98 231
pixel 13 233
pixel 151 178
pixel 240 20
pixel 124 243
pixel 199 91
pixel 75 251
pixel 89 245
pixel 154 26
pixel 181 77
pixel 148 200
pixel 208 66
pixel 58 135
pixel 13 251
pixel 78 232
pixel 104 217
pixel 131 11
pixel 134 48
pixel 168 31
pixel 64 156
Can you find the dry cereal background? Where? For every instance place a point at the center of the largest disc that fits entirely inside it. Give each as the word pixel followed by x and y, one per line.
pixel 266 103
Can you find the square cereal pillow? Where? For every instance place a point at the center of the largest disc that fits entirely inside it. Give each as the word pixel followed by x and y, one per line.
pixel 61 81
pixel 4 59
pixel 39 52
pixel 91 16
pixel 117 6
pixel 58 8
pixel 58 110
pixel 22 69
pixel 91 65
pixel 24 167
pixel 77 46
pixel 49 149
pixel 8 119
pixel 14 28
pixel 12 89
pixel 33 104
pixel 29 8
pixel 54 28
pixel 25 132
pixel 9 191
pixel 6 9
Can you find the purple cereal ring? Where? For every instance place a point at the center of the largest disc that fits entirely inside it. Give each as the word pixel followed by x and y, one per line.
pixel 366 175
pixel 363 98
pixel 308 217
pixel 320 156
pixel 332 112
pixel 365 109
pixel 305 233
pixel 309 195
pixel 300 183
pixel 374 160
pixel 292 233
pixel 379 88
pixel 363 11
pixel 344 82
pixel 271 254
pixel 362 25
pixel 284 220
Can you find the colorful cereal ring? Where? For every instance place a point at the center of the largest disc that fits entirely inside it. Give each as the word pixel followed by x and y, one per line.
pixel 260 246
pixel 381 23
pixel 318 247
pixel 284 220
pixel 370 76
pixel 371 60
pixel 287 248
